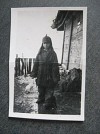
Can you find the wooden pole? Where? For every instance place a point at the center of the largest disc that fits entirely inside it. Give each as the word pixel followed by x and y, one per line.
pixel 22 70
pixel 30 64
pixel 25 66
pixel 63 45
pixel 70 42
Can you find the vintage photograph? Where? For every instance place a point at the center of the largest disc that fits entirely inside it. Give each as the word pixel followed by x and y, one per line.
pixel 47 63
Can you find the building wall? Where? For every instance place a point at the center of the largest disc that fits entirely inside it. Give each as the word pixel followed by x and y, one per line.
pixel 67 31
pixel 73 40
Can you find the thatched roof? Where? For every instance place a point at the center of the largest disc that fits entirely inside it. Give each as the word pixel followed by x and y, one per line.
pixel 61 17
pixel 58 22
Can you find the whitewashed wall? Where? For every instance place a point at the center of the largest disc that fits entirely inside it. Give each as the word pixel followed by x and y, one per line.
pixel 75 43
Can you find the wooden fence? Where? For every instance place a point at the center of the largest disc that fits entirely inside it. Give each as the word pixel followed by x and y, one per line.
pixel 23 66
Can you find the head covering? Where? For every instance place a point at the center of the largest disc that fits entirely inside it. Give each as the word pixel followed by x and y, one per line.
pixel 46 39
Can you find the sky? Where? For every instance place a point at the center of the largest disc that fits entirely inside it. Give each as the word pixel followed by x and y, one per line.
pixel 32 26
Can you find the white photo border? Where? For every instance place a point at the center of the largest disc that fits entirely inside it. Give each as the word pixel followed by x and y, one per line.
pixel 80 117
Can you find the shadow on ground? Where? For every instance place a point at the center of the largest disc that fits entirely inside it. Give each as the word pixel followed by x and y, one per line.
pixel 25 100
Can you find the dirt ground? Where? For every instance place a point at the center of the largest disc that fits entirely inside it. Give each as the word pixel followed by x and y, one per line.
pixel 26 95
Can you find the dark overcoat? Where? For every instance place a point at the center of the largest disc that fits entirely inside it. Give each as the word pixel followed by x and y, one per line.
pixel 46 69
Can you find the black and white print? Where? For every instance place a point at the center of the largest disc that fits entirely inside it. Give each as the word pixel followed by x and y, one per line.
pixel 47 63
